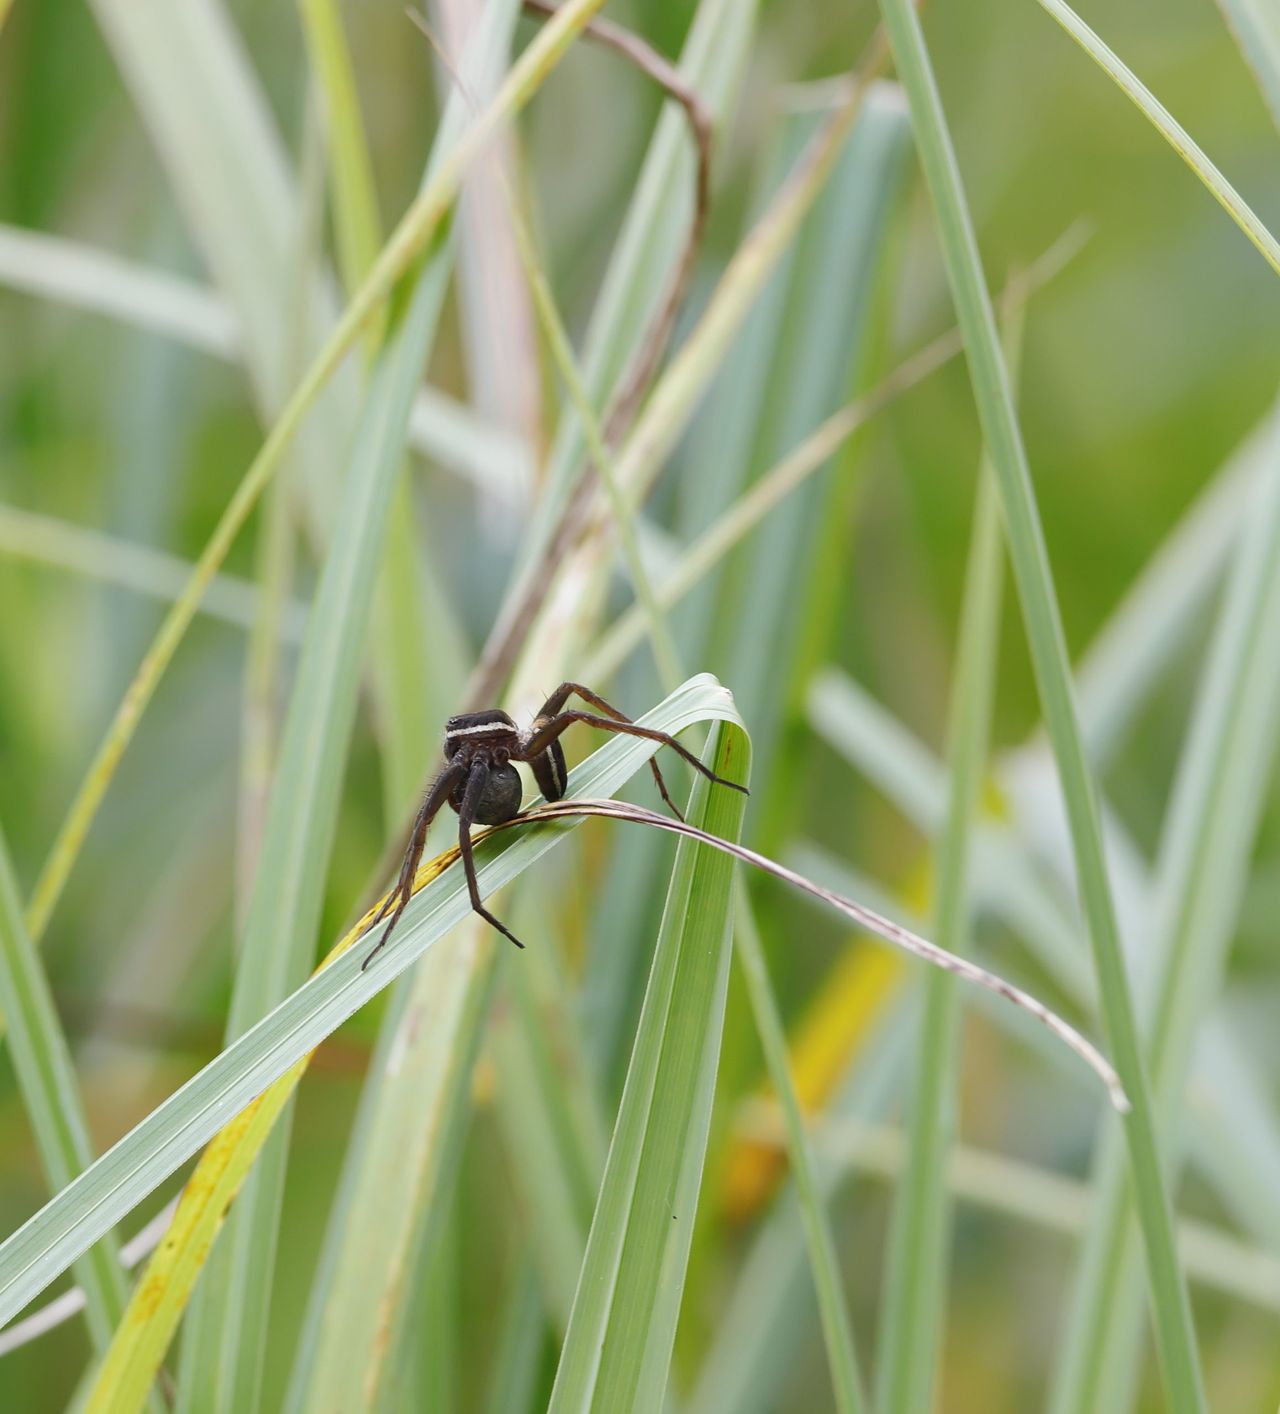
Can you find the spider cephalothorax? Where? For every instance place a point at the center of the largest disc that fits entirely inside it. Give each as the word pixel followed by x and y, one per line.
pixel 481 784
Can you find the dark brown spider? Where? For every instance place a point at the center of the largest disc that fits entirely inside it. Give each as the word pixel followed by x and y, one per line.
pixel 482 785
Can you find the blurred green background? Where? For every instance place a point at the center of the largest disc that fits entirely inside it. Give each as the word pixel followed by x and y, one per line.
pixel 1146 361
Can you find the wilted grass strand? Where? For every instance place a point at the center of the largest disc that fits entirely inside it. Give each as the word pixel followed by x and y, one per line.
pixel 1175 1334
pixel 712 63
pixel 873 922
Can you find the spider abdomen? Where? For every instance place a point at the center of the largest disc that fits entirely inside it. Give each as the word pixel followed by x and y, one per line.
pixel 500 796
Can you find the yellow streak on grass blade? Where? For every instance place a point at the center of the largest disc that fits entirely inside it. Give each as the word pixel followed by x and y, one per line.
pixel 161 1295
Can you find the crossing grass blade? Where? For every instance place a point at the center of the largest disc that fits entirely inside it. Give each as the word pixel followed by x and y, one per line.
pixel 1176 1337
pixel 86 278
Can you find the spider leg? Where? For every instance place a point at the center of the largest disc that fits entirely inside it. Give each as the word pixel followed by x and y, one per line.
pixel 550 730
pixel 466 813
pixel 551 708
pixel 398 899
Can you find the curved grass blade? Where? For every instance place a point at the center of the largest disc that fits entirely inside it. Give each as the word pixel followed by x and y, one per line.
pixel 869 919
pixel 1179 1357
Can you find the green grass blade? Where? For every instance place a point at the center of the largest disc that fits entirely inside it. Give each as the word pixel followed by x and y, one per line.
pixel 110 1188
pixel 618 1347
pixel 1256 26
pixel 837 1328
pixel 355 202
pixel 915 1294
pixel 1169 128
pixel 214 1355
pixel 404 1165
pixel 51 1095
pixel 1176 1338
pixel 1206 843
